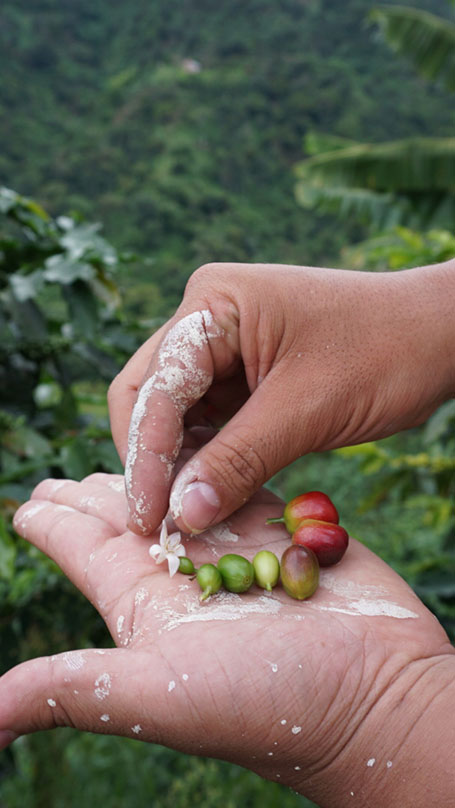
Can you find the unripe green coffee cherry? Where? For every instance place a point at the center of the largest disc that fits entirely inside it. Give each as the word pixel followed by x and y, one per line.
pixel 266 569
pixel 236 571
pixel 209 579
pixel 186 566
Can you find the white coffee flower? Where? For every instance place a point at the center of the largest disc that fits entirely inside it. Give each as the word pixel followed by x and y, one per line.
pixel 169 549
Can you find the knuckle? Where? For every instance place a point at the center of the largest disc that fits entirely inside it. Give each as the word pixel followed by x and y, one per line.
pixel 60 707
pixel 240 466
pixel 197 277
pixel 204 275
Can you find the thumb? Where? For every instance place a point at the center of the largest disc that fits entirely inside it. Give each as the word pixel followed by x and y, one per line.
pixel 256 443
pixel 85 690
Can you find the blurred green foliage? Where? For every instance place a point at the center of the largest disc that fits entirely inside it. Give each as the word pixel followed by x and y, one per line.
pixel 63 336
pixel 401 247
pixel 410 181
pixel 61 769
pixel 178 125
pixel 123 773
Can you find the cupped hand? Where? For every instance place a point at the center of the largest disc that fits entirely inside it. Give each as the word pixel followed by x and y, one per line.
pixel 290 360
pixel 301 692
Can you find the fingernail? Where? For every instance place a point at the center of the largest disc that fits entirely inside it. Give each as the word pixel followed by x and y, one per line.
pixel 200 505
pixel 136 525
pixel 7 737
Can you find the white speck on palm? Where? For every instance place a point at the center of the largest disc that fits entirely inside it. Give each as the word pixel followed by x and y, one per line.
pixel 169 549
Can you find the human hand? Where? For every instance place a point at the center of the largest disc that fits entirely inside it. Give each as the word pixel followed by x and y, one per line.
pixel 292 360
pixel 305 693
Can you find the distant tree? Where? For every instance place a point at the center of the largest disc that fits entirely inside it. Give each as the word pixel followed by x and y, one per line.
pixel 63 338
pixel 408 181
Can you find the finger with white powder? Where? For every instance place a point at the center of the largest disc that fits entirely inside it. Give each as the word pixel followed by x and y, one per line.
pixel 180 373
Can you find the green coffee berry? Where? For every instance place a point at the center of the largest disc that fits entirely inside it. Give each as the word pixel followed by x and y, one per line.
pixel 209 579
pixel 266 569
pixel 237 572
pixel 186 566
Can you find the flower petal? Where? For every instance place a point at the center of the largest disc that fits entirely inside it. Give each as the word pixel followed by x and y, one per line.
pixel 180 550
pixel 173 541
pixel 163 534
pixel 156 551
pixel 173 563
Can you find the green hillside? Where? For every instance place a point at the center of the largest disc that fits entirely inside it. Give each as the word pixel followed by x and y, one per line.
pixel 177 124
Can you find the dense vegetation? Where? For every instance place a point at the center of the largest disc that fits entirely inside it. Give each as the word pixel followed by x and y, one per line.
pixel 178 125
pixel 100 113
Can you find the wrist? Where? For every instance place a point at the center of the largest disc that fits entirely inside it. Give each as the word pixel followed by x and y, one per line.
pixel 430 293
pixel 402 752
pixel 408 758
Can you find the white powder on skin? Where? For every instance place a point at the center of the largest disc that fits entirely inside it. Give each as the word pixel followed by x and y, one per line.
pixel 188 475
pixel 348 589
pixel 185 677
pixel 170 686
pixel 140 596
pixel 273 665
pixel 117 485
pixel 371 762
pixel 136 729
pixel 31 511
pixel 179 377
pixel 168 463
pixel 389 764
pixel 51 703
pixel 105 717
pixel 216 535
pixel 295 730
pixel 283 722
pixel 103 686
pixel 120 622
pixel 223 606
pixel 74 660
pixel 226 606
pixel 374 608
pixel 369 608
pixel 222 533
pixel 362 599
pixel 55 485
pixel 95 503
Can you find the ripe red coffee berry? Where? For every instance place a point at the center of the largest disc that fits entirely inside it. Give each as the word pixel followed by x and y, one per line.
pixel 327 540
pixel 312 505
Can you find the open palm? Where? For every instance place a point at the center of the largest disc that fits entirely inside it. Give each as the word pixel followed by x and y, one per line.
pixel 277 685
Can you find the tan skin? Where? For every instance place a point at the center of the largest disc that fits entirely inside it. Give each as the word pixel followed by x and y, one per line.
pixel 341 677
pixel 350 358
pixel 298 360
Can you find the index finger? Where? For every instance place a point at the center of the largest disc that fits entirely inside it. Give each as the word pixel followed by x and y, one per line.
pixel 180 373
